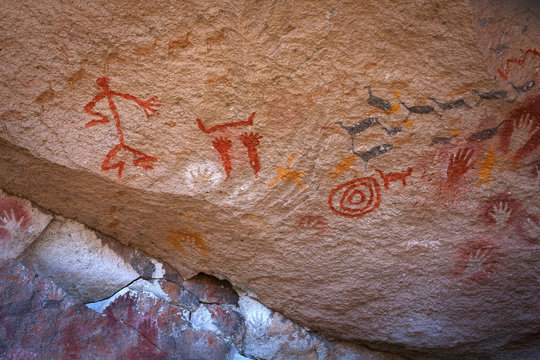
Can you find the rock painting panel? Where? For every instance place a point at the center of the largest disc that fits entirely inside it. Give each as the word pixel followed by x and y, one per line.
pixel 184 239
pixel 14 219
pixel 501 210
pixel 477 261
pixel 288 175
pixel 223 145
pixel 519 61
pixel 142 160
pixel 458 164
pixel 317 223
pixel 355 198
pixel 520 135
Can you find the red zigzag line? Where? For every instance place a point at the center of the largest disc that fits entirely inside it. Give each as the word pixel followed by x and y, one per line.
pixel 519 61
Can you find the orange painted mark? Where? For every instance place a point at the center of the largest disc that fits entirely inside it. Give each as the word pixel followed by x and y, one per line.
pixel 251 141
pixel 75 77
pixel 112 210
pixel 344 166
pixel 249 122
pixel 408 123
pixel 454 131
pixel 492 162
pixel 218 38
pixel 46 96
pixel 458 165
pixel 288 175
pixel 520 61
pixel 142 160
pixel 223 146
pixel 146 50
pixel 395 107
pixel 179 44
pixel 171 123
pixel 114 224
pixel 180 239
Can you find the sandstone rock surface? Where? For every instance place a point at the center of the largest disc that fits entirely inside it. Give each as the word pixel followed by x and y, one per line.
pixel 368 169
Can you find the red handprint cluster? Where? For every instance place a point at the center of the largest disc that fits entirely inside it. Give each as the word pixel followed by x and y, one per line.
pixel 141 160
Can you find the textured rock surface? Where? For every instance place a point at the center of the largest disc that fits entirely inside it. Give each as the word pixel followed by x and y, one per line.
pixel 147 319
pixel 423 222
pixel 20 224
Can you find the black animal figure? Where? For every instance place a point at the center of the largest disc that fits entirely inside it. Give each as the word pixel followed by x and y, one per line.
pixel 485 134
pixel 360 126
pixel 491 95
pixel 365 124
pixel 441 140
pixel 528 86
pixel 422 109
pixel 374 152
pixel 393 131
pixel 378 102
pixel 450 105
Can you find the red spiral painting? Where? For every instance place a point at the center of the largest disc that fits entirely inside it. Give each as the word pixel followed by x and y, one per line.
pixel 355 198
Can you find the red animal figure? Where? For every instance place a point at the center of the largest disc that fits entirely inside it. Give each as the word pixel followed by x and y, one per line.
pixel 148 106
pixel 223 146
pixel 251 141
pixel 394 176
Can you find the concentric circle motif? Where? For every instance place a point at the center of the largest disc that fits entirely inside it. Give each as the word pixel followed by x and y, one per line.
pixel 355 198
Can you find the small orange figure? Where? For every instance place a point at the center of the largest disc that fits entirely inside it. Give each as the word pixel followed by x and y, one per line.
pixel 148 106
pixel 289 175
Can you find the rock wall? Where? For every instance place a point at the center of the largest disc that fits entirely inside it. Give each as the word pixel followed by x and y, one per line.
pixel 136 307
pixel 367 169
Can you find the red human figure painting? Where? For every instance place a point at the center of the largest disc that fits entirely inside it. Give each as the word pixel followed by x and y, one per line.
pixel 251 141
pixel 142 160
pixel 223 146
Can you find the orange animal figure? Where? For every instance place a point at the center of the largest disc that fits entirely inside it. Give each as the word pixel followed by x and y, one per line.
pixel 179 44
pixel 148 106
pixel 394 176
pixel 344 165
pixel 289 175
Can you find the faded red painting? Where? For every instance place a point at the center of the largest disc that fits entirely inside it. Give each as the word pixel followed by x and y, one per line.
pixel 13 218
pixel 520 135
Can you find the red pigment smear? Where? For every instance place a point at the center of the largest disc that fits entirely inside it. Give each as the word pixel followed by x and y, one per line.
pixel 458 165
pixel 251 141
pixel 9 208
pixel 223 146
pixel 142 159
pixel 485 249
pixel 530 106
pixel 360 196
pixel 520 61
pixel 487 207
pixel 317 222
pixel 249 122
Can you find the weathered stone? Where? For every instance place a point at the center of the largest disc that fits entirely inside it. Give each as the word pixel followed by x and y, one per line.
pixel 39 321
pixel 369 169
pixel 75 258
pixel 179 295
pixel 224 320
pixel 20 224
pixel 211 290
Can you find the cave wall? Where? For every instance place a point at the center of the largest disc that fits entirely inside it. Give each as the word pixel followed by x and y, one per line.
pixel 368 169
